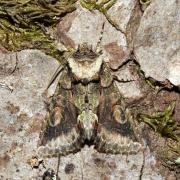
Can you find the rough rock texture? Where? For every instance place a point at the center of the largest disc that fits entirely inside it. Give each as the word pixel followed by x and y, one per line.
pixel 83 25
pixel 121 12
pixel 128 81
pixel 22 73
pixel 157 41
pixel 23 79
pixel 80 26
pixel 21 115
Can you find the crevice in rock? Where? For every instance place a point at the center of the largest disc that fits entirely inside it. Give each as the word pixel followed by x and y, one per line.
pixel 142 167
pixel 16 65
pixel 113 24
pixel 103 8
pixel 160 85
pixel 133 25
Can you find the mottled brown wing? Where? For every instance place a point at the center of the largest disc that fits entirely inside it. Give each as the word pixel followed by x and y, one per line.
pixel 115 133
pixel 60 135
pixel 60 120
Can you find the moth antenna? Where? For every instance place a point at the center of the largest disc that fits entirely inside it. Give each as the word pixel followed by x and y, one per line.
pixel 98 49
pixel 55 75
pixel 15 68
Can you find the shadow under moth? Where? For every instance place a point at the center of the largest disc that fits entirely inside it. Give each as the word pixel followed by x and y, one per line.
pixel 87 109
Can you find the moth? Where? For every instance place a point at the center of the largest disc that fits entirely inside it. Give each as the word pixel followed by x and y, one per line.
pixel 87 109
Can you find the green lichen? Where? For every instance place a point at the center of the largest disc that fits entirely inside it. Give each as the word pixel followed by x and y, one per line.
pixel 102 6
pixel 162 122
pixel 23 23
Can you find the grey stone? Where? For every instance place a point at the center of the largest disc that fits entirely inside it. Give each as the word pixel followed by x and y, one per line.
pixel 80 26
pixel 83 25
pixel 157 41
pixel 128 82
pixel 27 82
pixel 121 12
pixel 22 110
pixel 114 46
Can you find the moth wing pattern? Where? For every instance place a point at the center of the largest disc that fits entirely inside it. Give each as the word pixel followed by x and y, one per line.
pixel 115 134
pixel 59 135
pixel 106 77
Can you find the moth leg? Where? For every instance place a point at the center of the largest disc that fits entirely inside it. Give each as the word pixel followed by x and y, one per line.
pixel 114 143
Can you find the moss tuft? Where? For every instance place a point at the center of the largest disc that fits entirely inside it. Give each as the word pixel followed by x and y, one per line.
pixel 23 23
pixel 162 122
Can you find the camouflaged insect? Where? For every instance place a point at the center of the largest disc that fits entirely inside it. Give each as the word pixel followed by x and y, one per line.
pixel 87 109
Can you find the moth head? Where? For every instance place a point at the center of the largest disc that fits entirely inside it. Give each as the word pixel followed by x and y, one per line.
pixel 85 63
pixel 87 123
pixel 85 53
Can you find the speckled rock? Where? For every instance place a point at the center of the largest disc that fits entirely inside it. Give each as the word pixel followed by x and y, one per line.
pixel 22 73
pixel 121 12
pixel 114 46
pixel 88 164
pixel 83 25
pixel 157 41
pixel 128 81
pixel 23 79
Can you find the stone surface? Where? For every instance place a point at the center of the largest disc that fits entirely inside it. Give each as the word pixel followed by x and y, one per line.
pixel 22 72
pixel 128 82
pixel 80 26
pixel 114 46
pixel 149 163
pixel 23 79
pixel 21 116
pixel 121 12
pixel 83 25
pixel 157 41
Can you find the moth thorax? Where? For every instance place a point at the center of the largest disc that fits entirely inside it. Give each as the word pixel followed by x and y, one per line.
pixel 85 69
